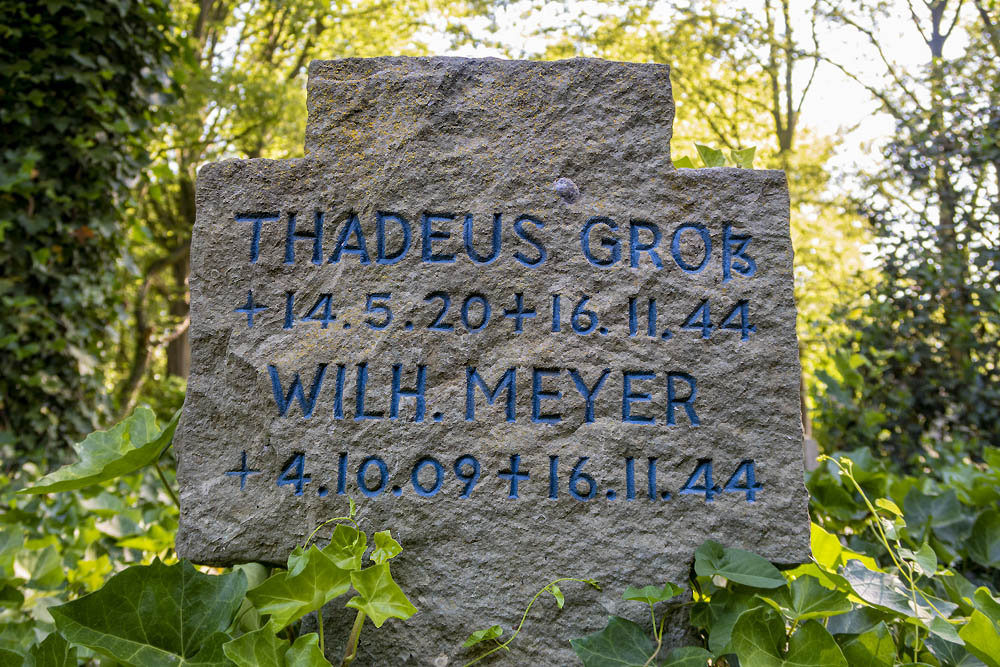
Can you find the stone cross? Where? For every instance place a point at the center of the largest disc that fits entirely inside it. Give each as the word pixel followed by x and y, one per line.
pixel 487 308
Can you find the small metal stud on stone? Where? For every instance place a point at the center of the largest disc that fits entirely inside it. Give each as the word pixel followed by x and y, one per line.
pixel 567 189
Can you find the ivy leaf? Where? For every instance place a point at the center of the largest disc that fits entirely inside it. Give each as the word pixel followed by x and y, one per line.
pixel 305 652
pixel 156 614
pixel 262 647
pixel 856 621
pixel 984 543
pixel 621 643
pixel 944 514
pixel 982 638
pixel 952 654
pixel 711 157
pixel 886 591
pixel 379 596
pixel 558 595
pixel 684 163
pixel 155 539
pixel 889 506
pixel 687 656
pixel 759 640
pixel 743 157
pixel 44 567
pixel 652 594
pixel 807 598
pixel 133 443
pixel 11 541
pixel 492 632
pixel 712 559
pixel 347 546
pixel 10 594
pixel 874 648
pixel 385 547
pixel 924 558
pixel 722 613
pixel 10 658
pixel 986 603
pixel 53 652
pixel 311 581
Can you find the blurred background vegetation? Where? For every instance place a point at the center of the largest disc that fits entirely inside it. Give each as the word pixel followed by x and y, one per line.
pixel 108 108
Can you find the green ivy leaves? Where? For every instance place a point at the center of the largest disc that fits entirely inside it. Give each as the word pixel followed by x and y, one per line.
pixel 742 567
pixel 984 543
pixel 156 615
pixel 311 580
pixel 713 157
pixel 621 642
pixel 759 638
pixel 262 647
pixel 315 577
pixel 486 634
pixel 133 443
pixel 652 594
pixel 379 596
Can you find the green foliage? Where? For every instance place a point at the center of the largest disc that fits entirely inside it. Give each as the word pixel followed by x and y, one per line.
pixel 81 81
pixel 713 157
pixel 760 638
pixel 950 516
pixel 263 647
pixel 166 612
pixel 904 594
pixel 927 333
pixel 310 582
pixel 156 614
pixel 130 445
pixel 741 567
pixel 621 642
pixel 379 596
pixel 652 594
pixel 494 632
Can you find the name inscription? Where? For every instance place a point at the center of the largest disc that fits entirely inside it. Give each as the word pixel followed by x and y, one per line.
pixel 343 390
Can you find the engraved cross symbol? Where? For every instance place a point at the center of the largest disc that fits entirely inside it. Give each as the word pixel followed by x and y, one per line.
pixel 243 472
pixel 518 313
pixel 514 475
pixel 250 309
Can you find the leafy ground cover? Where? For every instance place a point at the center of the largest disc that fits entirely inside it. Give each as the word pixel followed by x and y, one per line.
pixel 905 571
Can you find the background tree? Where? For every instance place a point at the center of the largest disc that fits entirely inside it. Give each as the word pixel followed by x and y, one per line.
pixel 243 73
pixel 919 375
pixel 80 81
pixel 740 78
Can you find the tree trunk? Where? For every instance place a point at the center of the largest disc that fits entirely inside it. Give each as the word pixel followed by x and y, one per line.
pixel 179 349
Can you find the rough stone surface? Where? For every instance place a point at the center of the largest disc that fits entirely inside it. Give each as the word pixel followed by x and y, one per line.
pixel 452 136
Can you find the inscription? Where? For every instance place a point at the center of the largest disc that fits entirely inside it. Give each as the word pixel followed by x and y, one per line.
pixel 680 388
pixel 428 476
pixel 446 236
pixel 647 397
pixel 638 317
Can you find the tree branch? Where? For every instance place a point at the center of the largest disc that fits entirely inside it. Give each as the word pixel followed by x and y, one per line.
pixel 128 391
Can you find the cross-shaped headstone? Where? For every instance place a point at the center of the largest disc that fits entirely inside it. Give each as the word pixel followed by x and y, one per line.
pixel 554 354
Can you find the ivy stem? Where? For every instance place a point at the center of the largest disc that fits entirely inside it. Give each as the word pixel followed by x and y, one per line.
pixel 659 638
pixel 352 639
pixel 166 485
pixel 319 622
pixel 547 587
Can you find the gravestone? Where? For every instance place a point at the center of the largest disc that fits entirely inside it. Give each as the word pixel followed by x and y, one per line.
pixel 486 307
